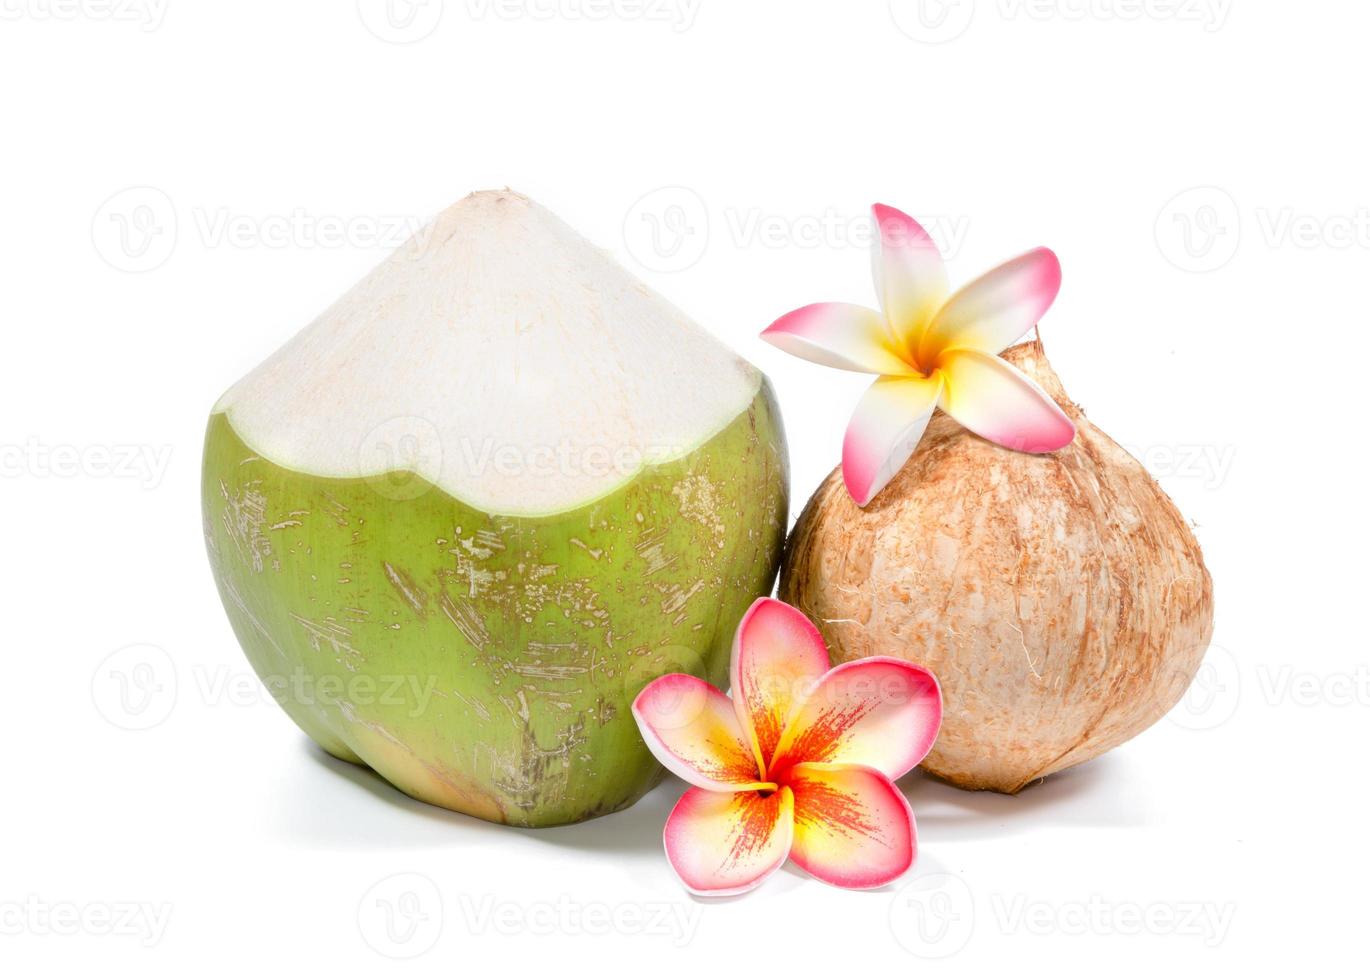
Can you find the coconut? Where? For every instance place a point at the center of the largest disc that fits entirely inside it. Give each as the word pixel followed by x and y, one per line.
pixel 462 518
pixel 1061 600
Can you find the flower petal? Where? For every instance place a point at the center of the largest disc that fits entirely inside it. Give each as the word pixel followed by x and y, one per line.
pixel 992 312
pixel 910 278
pixel 852 826
pixel 996 401
pixel 884 431
pixel 692 729
pixel 728 843
pixel 840 335
pixel 778 656
pixel 879 712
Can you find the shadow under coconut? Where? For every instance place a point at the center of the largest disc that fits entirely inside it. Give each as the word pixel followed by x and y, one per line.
pixel 635 830
pixel 1105 792
pixel 403 821
pixel 326 807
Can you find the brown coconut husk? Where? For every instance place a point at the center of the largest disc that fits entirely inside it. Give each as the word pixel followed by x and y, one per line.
pixel 1061 599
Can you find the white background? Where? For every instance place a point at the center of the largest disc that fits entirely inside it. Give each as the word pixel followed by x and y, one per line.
pixel 1220 333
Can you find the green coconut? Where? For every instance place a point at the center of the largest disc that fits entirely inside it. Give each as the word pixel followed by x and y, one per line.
pixel 461 519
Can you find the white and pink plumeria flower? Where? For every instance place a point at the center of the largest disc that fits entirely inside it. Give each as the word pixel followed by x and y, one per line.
pixel 798 765
pixel 931 350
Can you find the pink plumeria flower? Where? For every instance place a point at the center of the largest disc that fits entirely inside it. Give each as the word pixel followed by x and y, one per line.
pixel 799 764
pixel 931 351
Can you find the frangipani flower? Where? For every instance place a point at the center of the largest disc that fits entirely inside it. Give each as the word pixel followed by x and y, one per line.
pixel 798 764
pixel 931 351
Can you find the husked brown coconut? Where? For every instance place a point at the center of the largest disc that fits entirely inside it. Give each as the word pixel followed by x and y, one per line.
pixel 1061 599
